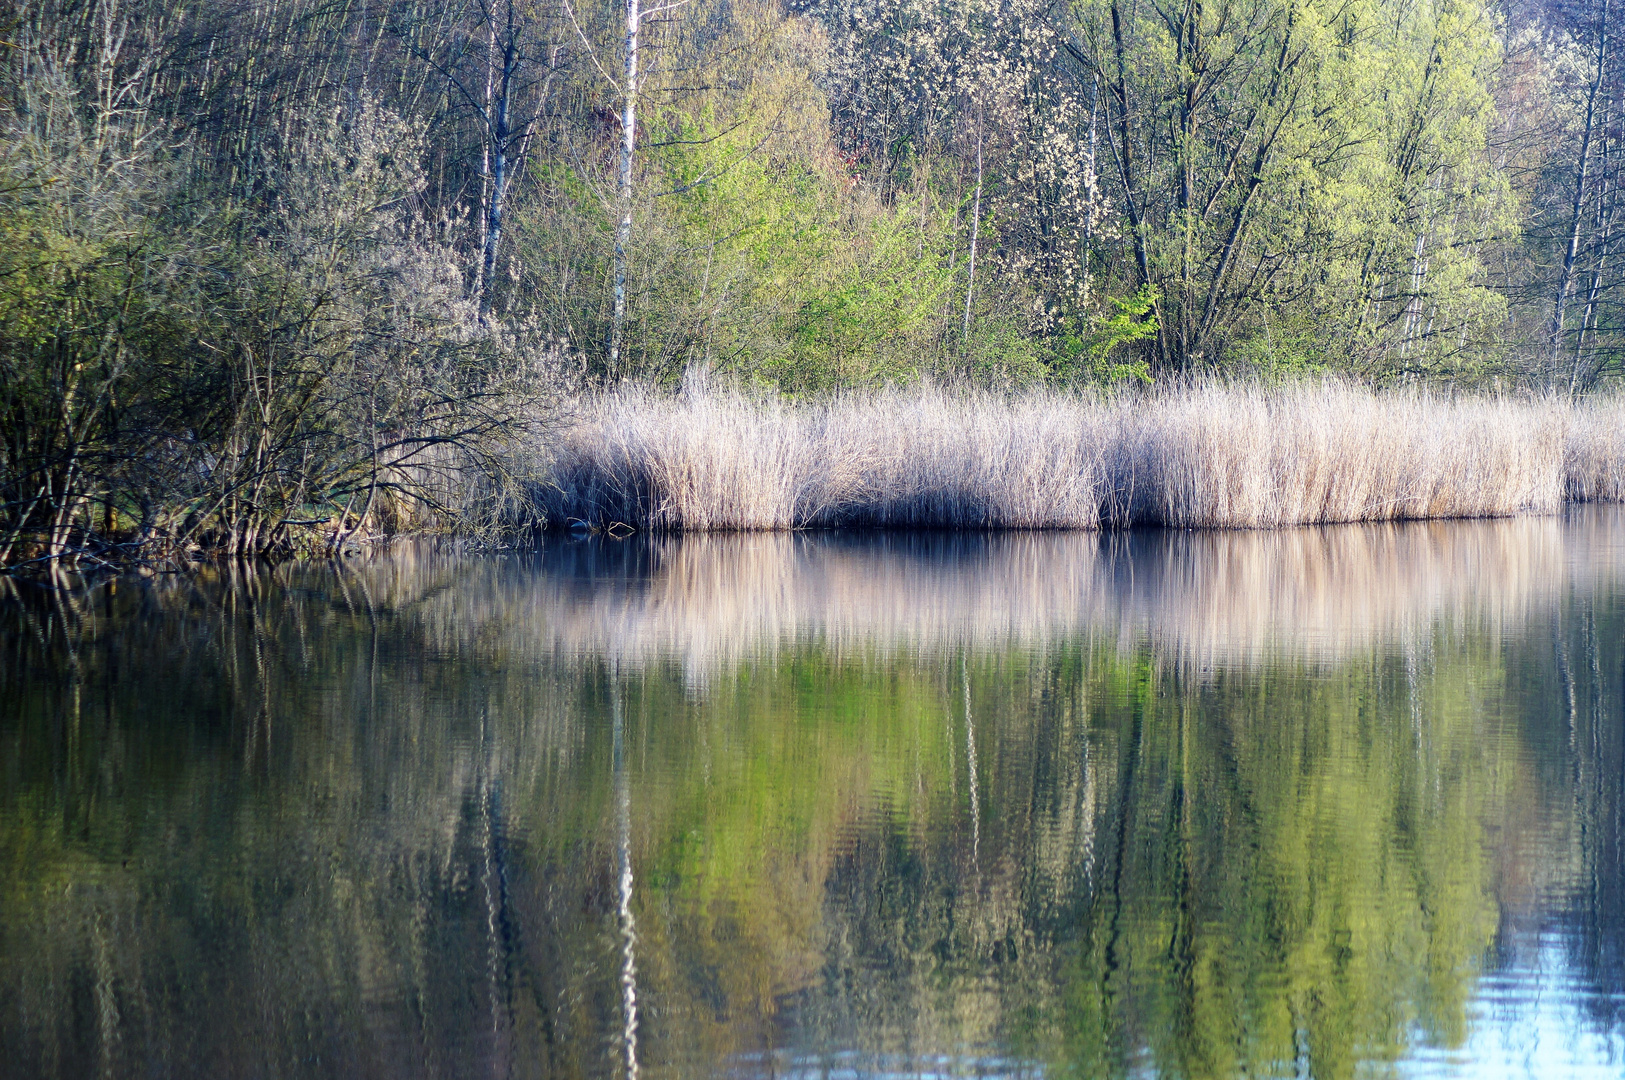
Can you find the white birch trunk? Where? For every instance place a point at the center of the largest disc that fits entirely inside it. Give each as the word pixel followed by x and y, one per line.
pixel 975 225
pixel 623 230
pixel 1571 251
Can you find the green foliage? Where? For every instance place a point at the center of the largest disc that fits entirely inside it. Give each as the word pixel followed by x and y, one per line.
pixel 1329 164
pixel 770 268
pixel 1003 351
pixel 1286 348
pixel 1133 319
pixel 873 320
pixel 1090 354
pixel 97 307
pixel 209 373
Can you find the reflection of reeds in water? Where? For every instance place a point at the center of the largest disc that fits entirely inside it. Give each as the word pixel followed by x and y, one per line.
pixel 1317 594
pixel 1206 456
pixel 1326 594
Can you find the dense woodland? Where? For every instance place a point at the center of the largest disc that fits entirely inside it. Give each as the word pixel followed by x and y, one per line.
pixel 270 263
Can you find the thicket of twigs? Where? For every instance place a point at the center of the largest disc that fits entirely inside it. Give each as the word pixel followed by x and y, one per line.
pixel 193 362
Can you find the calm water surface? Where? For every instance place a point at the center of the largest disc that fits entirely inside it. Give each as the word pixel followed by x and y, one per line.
pixel 1326 802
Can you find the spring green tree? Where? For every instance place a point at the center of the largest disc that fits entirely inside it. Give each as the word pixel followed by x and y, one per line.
pixel 1314 162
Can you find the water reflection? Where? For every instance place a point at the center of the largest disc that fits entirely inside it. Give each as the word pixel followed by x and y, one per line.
pixel 1322 802
pixel 711 602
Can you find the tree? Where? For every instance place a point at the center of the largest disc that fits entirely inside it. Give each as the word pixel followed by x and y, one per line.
pixel 209 362
pixel 500 60
pixel 1585 281
pixel 623 177
pixel 1274 157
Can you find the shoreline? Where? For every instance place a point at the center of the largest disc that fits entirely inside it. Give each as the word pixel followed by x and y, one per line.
pixel 451 543
pixel 1239 457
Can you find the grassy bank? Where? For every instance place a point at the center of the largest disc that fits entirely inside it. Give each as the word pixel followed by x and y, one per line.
pixel 1202 457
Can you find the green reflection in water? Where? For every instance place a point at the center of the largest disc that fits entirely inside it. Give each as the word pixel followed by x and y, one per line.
pixel 1195 804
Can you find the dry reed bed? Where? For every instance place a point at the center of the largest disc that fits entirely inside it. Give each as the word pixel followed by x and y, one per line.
pixel 1208 456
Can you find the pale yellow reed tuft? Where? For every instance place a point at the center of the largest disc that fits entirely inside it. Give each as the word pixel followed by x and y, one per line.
pixel 1209 456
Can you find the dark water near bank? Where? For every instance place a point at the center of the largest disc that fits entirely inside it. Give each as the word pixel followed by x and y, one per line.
pixel 1331 802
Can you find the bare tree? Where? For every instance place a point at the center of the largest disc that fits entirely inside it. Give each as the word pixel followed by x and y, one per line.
pixel 500 65
pixel 1582 175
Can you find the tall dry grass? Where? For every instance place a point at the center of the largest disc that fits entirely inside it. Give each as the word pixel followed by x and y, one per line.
pixel 1207 456
pixel 1594 455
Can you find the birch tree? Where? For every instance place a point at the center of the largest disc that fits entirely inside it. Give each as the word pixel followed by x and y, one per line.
pixel 1585 322
pixel 623 178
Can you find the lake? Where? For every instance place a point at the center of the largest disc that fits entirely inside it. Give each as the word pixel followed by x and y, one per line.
pixel 1330 802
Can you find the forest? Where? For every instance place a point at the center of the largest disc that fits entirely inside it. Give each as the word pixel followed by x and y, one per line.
pixel 279 275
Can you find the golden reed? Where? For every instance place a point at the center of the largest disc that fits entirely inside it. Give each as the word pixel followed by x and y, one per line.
pixel 1205 456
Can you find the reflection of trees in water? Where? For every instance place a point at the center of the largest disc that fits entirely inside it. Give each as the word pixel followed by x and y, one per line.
pixel 625 881
pixel 1202 598
pixel 256 830
pixel 1587 721
pixel 371 823
pixel 1252 887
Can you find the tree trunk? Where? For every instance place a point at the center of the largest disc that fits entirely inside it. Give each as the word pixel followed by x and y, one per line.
pixel 975 222
pixel 1584 372
pixel 623 231
pixel 1125 161
pixel 485 158
pixel 498 140
pixel 1565 279
pixel 1091 187
pixel 1188 60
